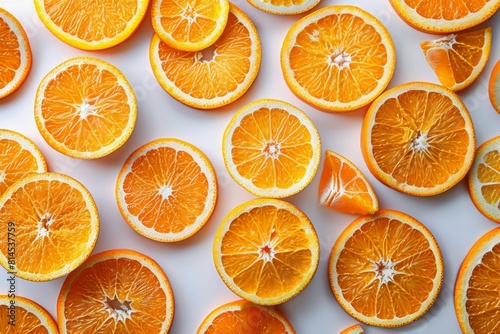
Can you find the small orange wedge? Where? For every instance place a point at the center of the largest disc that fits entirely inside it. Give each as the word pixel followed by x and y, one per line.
pixel 354 329
pixel 284 7
pixel 20 315
pixel 494 87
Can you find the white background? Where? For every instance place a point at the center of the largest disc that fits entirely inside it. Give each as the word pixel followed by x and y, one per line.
pixel 198 289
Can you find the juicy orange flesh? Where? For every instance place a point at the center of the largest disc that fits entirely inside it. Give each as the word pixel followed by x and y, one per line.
pixel 26 322
pixel 338 58
pixel 166 190
pixel 272 148
pixel 135 287
pixel 494 87
pixel 450 11
pixel 488 174
pixel 50 207
pixel 418 132
pixel 85 108
pixel 266 251
pixel 10 55
pixel 286 3
pixel 216 77
pixel 369 251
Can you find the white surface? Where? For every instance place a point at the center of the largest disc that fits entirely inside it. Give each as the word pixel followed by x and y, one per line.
pixel 198 289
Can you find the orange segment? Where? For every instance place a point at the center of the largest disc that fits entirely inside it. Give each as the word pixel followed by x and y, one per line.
pixel 386 269
pixel 284 7
pixel 56 224
pixel 494 87
pixel 25 316
pixel 338 58
pixel 166 190
pixel 266 251
pixel 116 291
pixel 354 329
pixel 418 138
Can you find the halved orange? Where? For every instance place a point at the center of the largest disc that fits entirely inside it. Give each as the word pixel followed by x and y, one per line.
pixel 344 187
pixel 284 7
pixel 51 226
pixel 85 108
pixel 213 77
pixel 166 190
pixel 418 138
pixel 271 148
pixel 494 87
pixel 458 59
pixel 15 57
pixel 338 58
pixel 386 269
pixel 354 329
pixel 116 291
pixel 242 316
pixel 19 314
pixel 266 251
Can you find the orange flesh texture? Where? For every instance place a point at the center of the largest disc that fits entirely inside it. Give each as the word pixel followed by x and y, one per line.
pixel 494 87
pixel 10 55
pixel 414 263
pixel 26 322
pixel 488 174
pixel 451 10
pixel 286 3
pixel 258 235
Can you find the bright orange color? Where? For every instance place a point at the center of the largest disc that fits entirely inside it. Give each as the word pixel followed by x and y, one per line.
pixel 266 251
pixel 494 87
pixel 386 269
pixel 418 138
pixel 115 292
pixel 458 59
pixel 242 316
pixel 28 317
pixel 284 7
pixel 344 187
pixel 56 225
pixel 354 329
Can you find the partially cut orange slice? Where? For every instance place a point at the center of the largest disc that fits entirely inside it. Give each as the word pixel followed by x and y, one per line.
pixel 284 7
pixel 19 314
pixel 494 87
pixel 354 329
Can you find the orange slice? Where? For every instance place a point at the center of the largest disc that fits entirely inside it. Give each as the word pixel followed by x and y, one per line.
pixel 52 223
pixel 354 329
pixel 344 187
pixel 116 291
pixel 418 138
pixel 266 251
pixel 458 59
pixel 338 58
pixel 494 87
pixel 15 58
pixel 19 156
pixel 436 16
pixel 271 148
pixel 89 24
pixel 213 77
pixel 245 317
pixel 166 190
pixel 284 7
pixel 386 269
pixel 189 25
pixel 85 108
pixel 22 315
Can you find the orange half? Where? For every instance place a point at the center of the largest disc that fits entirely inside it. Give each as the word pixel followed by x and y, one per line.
pixel 22 315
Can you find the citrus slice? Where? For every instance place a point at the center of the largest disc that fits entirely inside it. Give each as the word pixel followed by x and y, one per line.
pixel 166 190
pixel 116 291
pixel 85 108
pixel 418 138
pixel 215 76
pixel 189 25
pixel 494 87
pixel 22 315
pixel 437 16
pixel 266 251
pixel 15 60
pixel 242 316
pixel 284 7
pixel 89 24
pixel 51 226
pixel 19 156
pixel 458 59
pixel 344 187
pixel 271 148
pixel 338 58
pixel 386 269
pixel 354 329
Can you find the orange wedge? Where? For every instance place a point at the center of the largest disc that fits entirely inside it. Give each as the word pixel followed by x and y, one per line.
pixel 494 87
pixel 354 329
pixel 22 315
pixel 284 7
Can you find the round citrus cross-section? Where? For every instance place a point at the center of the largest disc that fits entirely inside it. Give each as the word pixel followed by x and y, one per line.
pixel 23 315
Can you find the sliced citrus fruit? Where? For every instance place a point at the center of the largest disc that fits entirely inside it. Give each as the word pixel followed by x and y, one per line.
pixel 116 291
pixel 271 148
pixel 386 269
pixel 344 187
pixel 436 16
pixel 418 138
pixel 167 190
pixel 85 108
pixel 89 24
pixel 51 224
pixel 242 316
pixel 458 59
pixel 22 315
pixel 189 25
pixel 15 58
pixel 338 58
pixel 266 251
pixel 494 87
pixel 213 77
pixel 354 329
pixel 19 156
pixel 284 7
